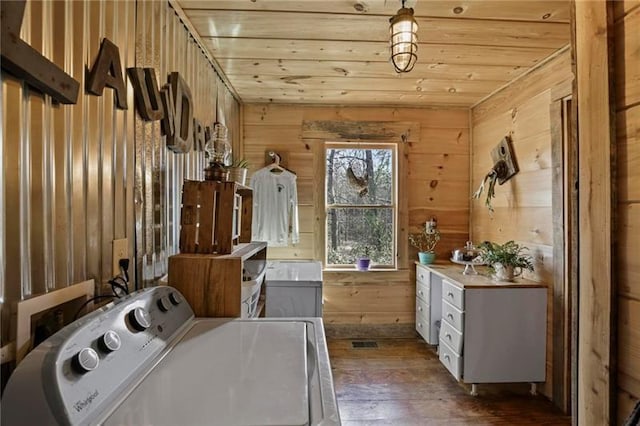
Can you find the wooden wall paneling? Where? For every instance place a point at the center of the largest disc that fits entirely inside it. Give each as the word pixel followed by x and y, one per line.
pixel 434 117
pixel 530 189
pixel 453 220
pixel 271 114
pixel 367 318
pixel 402 218
pixel 629 343
pixel 446 145
pixel 434 193
pixel 330 130
pixel 372 298
pixel 550 11
pixel 360 97
pixel 627 74
pixel 265 84
pixel 555 69
pixel 305 249
pixel 628 150
pixel 627 262
pixel 292 114
pixel 626 403
pixel 245 48
pixel 533 224
pixel 596 345
pixel 435 140
pixel 626 59
pixel 441 166
pixel 560 296
pixel 379 297
pixel 340 27
pixel 622 7
pixel 319 201
pixel 315 68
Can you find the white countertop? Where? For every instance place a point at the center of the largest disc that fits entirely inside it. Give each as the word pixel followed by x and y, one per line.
pixel 453 273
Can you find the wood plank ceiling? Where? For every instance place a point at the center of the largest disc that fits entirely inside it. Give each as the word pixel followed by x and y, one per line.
pixel 336 51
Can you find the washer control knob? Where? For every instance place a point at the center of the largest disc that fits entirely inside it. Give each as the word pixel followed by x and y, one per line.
pixel 110 341
pixel 85 360
pixel 140 319
pixel 175 298
pixel 164 304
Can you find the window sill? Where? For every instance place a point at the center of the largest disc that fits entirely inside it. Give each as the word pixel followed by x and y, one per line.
pixel 357 270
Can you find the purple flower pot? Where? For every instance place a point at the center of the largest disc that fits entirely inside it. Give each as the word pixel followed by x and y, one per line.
pixel 362 264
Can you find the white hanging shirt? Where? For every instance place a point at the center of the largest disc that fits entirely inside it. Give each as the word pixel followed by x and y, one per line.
pixel 275 207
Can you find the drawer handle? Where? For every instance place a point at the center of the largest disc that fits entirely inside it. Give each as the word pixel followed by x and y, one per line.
pixel 447 357
pixel 450 316
pixel 421 293
pixel 450 295
pixel 448 336
pixel 420 324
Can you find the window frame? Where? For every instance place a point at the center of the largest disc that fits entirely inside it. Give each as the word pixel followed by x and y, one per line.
pixel 394 206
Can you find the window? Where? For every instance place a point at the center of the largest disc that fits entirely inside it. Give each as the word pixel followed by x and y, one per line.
pixel 361 204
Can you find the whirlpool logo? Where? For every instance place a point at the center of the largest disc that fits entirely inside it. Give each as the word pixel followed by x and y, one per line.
pixel 84 403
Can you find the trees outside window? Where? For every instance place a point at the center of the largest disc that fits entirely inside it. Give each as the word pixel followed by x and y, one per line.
pixel 361 204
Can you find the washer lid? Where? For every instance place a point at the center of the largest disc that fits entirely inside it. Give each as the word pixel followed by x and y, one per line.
pixel 226 373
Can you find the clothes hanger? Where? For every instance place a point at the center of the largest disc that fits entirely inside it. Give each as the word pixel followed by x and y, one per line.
pixel 275 167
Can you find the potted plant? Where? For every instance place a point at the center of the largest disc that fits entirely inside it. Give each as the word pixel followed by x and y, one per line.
pixel 505 260
pixel 426 242
pixel 238 171
pixel 363 261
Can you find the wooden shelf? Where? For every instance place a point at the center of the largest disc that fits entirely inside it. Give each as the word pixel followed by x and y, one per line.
pixel 212 283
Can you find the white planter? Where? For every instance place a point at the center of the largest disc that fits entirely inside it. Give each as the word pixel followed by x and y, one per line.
pixel 238 174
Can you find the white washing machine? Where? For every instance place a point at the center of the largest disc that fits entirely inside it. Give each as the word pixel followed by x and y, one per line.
pixel 145 360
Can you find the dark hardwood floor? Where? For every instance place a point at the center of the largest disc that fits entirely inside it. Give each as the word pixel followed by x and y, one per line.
pixel 402 383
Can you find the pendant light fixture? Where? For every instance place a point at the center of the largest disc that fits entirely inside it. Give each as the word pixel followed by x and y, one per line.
pixel 404 39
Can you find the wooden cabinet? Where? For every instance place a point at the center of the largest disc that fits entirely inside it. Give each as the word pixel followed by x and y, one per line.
pixel 492 332
pixel 428 304
pixel 213 284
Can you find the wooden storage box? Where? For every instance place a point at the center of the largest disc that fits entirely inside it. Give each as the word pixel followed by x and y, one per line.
pixel 215 216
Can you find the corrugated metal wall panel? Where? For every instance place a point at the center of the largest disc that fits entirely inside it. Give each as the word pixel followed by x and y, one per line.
pixel 62 197
pixel 163 43
pixel 75 177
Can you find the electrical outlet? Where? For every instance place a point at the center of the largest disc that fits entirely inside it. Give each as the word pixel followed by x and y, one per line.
pixel 120 251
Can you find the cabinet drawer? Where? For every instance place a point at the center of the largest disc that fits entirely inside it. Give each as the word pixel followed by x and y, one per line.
pixel 423 275
pixel 453 316
pixel 422 290
pixel 423 328
pixel 422 308
pixel 453 294
pixel 451 360
pixel 451 336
